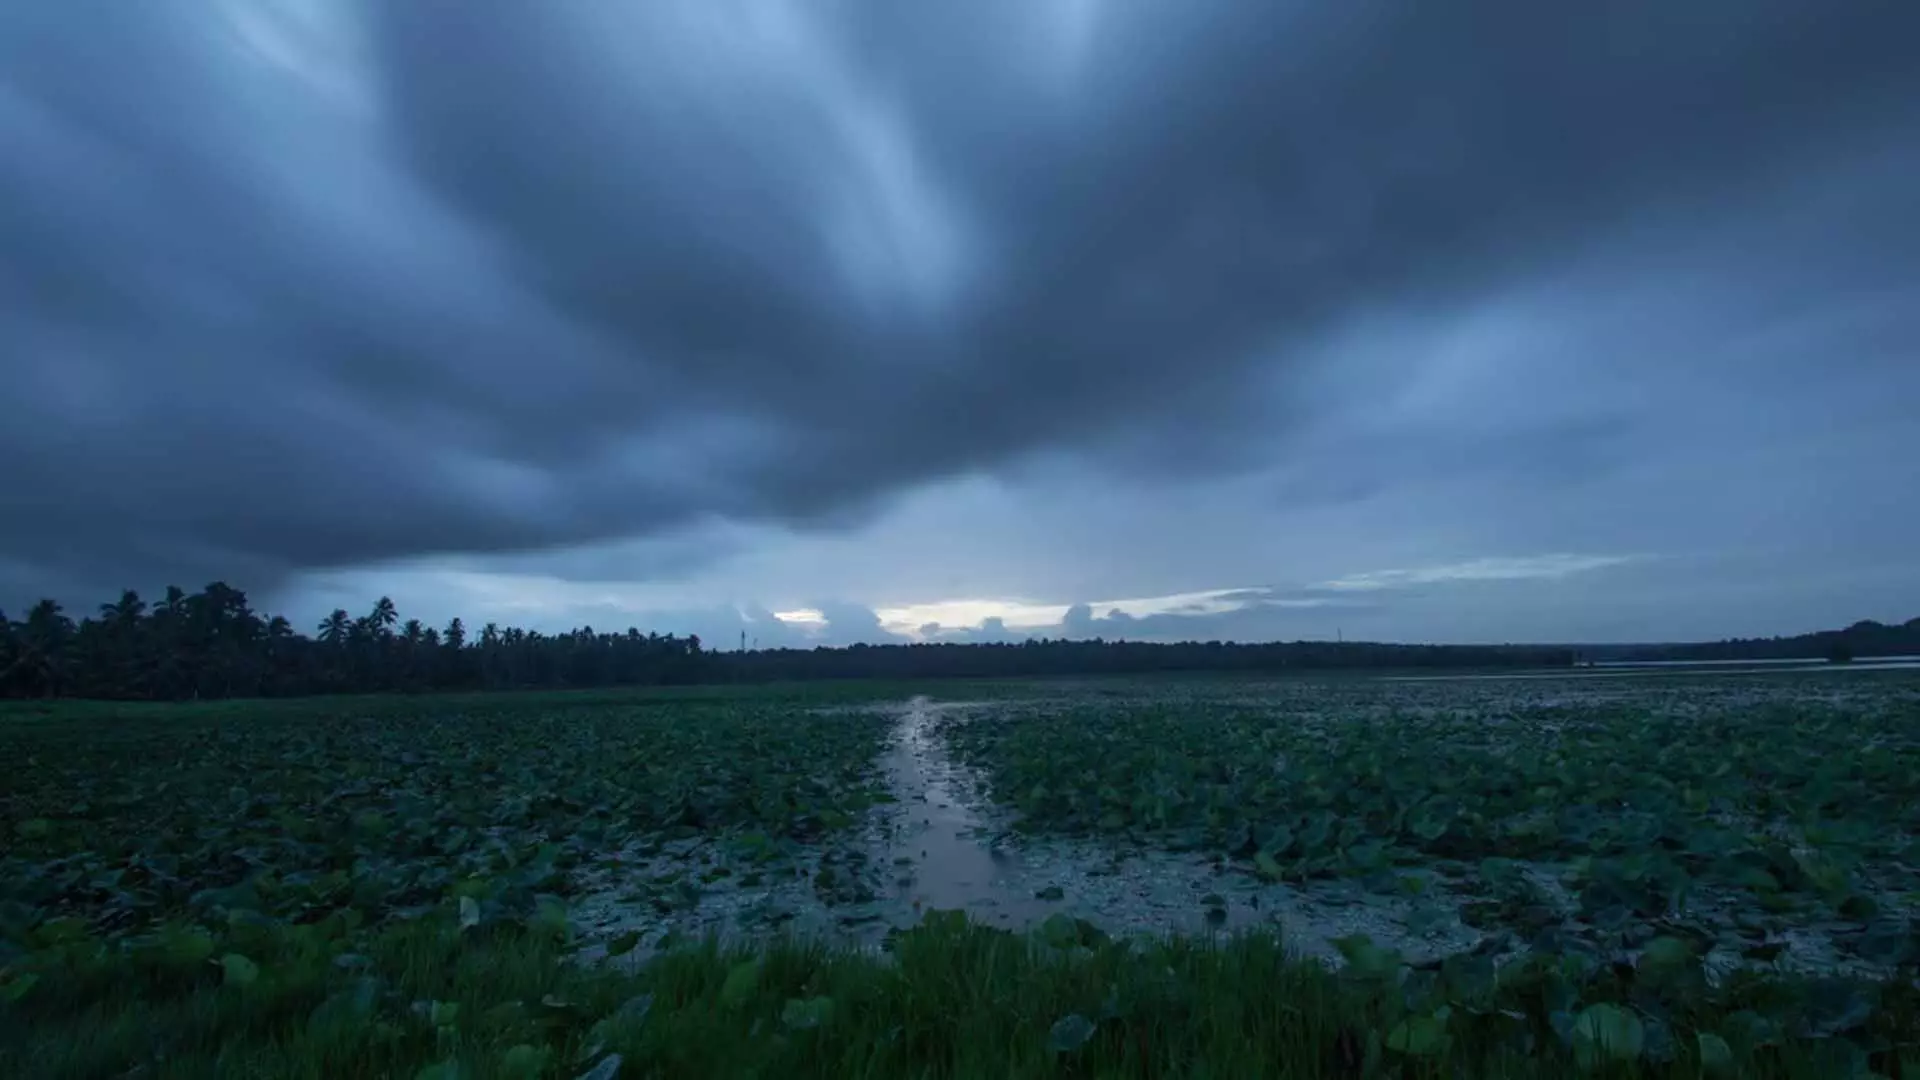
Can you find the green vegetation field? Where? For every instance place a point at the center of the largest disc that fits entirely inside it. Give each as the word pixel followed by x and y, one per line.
pixel 1729 812
pixel 1675 877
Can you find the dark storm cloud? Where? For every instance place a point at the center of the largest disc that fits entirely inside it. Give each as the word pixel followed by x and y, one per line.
pixel 501 277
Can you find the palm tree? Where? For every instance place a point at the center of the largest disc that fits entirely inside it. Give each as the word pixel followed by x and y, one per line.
pixel 176 599
pixel 125 612
pixel 47 626
pixel 335 627
pixel 9 651
pixel 116 652
pixel 42 640
pixel 382 617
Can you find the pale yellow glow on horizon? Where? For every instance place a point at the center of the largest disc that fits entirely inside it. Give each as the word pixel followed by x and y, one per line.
pixel 1028 615
pixel 963 614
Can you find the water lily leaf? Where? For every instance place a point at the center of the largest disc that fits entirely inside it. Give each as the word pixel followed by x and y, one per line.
pixel 1837 1005
pixel 1859 906
pixel 1755 878
pixel 1069 1033
pixel 1277 841
pixel 1367 855
pixel 64 930
pixel 1366 959
pixel 805 1014
pixel 1561 1021
pixel 1659 1046
pixel 1607 1033
pixel 1060 931
pixel 1424 918
pixel 1469 977
pixel 1314 837
pixel 237 970
pixel 634 1010
pixel 346 1009
pixel 1715 1054
pixel 1666 952
pixel 1268 866
pixel 630 1015
pixel 187 946
pixel 549 920
pixel 1420 1036
pixel 743 979
pixel 524 1062
pixel 1750 1030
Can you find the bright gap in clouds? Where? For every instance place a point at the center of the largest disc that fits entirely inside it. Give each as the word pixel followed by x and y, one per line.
pixel 910 619
pixel 969 614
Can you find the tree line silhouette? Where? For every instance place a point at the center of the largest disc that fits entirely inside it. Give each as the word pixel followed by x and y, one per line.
pixel 212 644
pixel 1865 638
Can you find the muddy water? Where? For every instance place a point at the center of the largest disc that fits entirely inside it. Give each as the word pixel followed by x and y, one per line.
pixel 941 851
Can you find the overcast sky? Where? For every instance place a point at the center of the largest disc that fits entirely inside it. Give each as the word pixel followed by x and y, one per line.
pixel 848 320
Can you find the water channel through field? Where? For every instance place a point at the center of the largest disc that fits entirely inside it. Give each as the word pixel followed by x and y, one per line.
pixel 945 853
pixel 940 846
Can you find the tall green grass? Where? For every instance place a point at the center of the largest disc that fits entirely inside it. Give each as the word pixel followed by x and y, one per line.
pixel 948 999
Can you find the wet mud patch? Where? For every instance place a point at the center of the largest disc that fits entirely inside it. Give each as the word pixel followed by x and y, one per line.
pixel 926 847
pixel 643 899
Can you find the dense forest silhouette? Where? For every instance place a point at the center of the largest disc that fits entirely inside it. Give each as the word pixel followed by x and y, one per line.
pixel 212 644
pixel 1863 639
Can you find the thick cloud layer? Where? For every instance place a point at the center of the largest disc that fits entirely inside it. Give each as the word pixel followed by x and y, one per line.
pixel 303 286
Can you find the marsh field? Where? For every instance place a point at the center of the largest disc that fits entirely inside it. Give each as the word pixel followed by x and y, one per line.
pixel 1672 875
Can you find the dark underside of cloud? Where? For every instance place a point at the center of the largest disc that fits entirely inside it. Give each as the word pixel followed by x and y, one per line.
pixel 623 268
